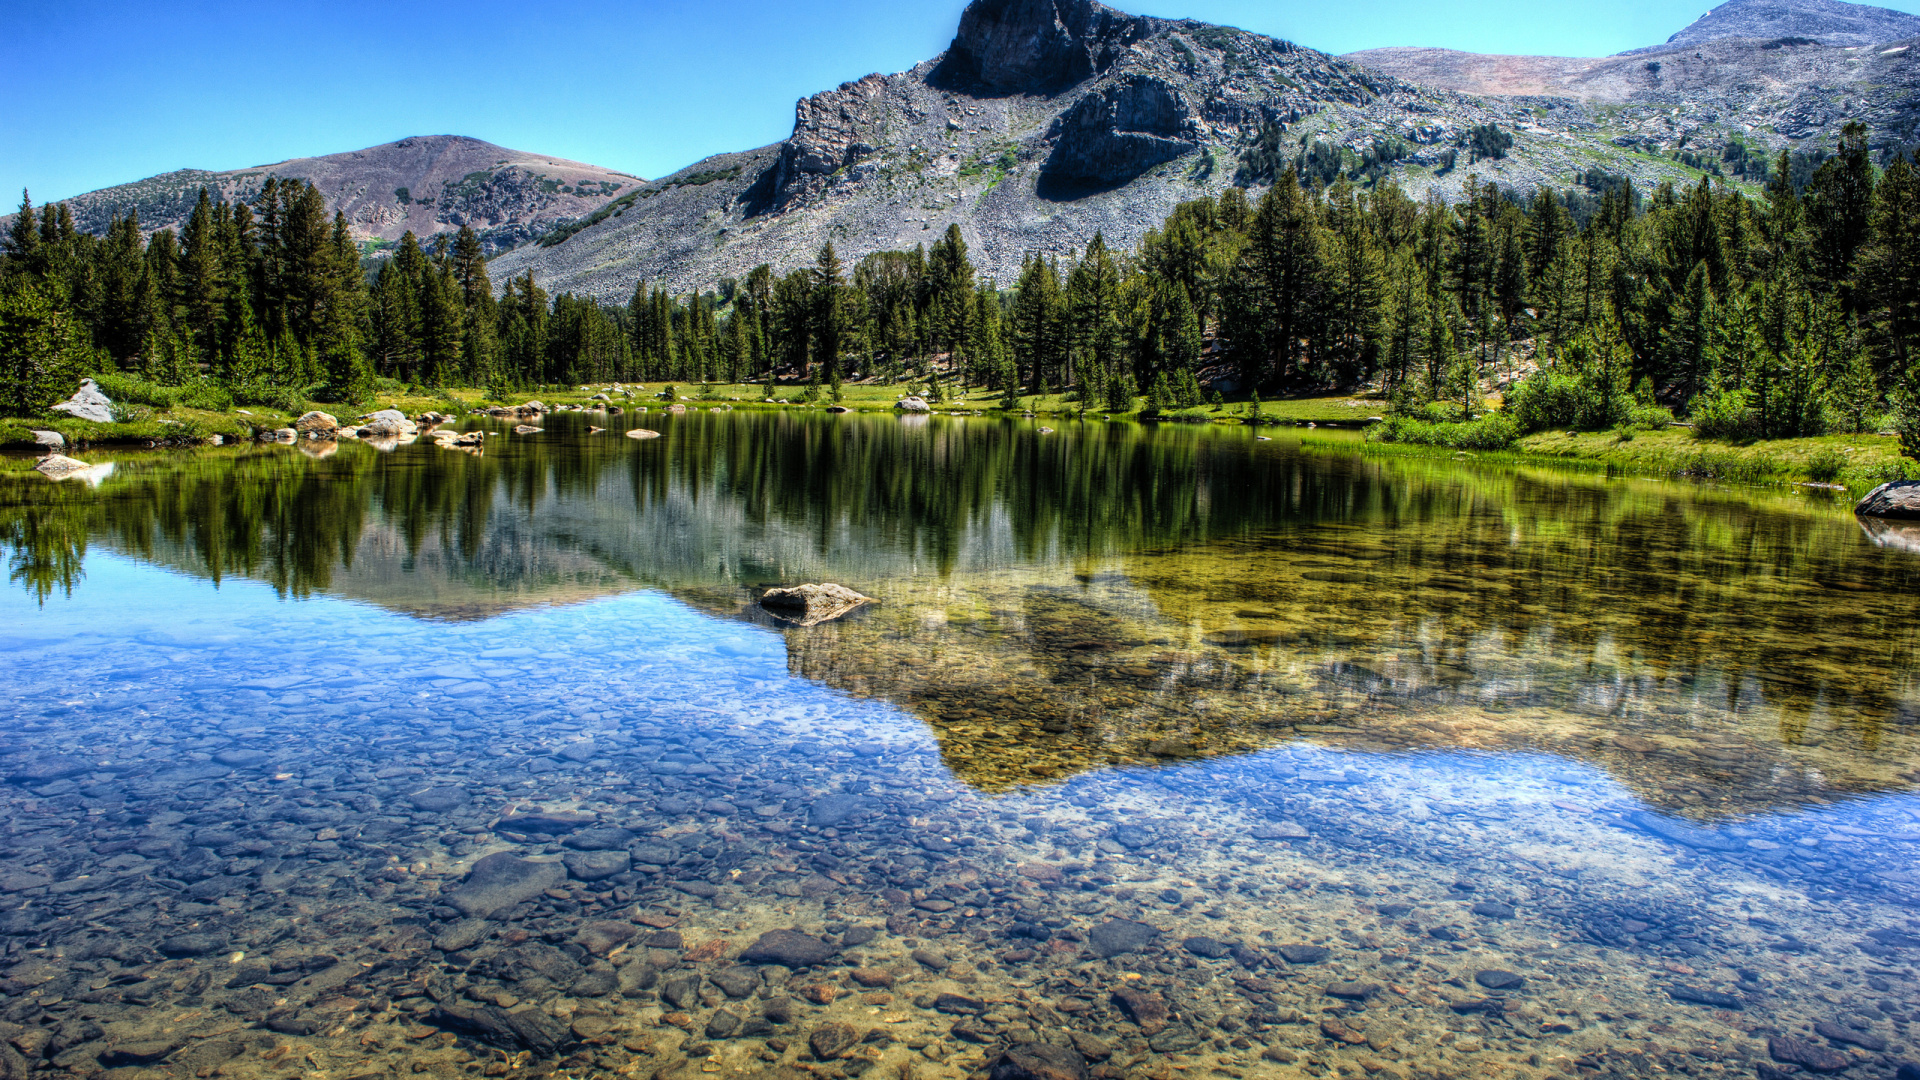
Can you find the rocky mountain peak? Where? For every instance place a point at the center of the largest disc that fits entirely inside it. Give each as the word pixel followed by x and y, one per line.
pixel 1035 46
pixel 1829 22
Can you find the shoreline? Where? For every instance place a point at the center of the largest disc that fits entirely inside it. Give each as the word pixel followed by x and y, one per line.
pixel 1853 464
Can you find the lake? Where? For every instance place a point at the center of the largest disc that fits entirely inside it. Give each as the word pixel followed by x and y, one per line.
pixel 1165 750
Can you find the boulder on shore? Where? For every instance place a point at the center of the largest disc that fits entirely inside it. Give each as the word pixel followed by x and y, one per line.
pixel 52 440
pixel 810 605
pixel 387 423
pixel 913 404
pixel 88 403
pixel 1897 499
pixel 1892 533
pixel 316 424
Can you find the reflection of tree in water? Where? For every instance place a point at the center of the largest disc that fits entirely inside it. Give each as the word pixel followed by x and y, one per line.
pixel 1228 593
pixel 45 551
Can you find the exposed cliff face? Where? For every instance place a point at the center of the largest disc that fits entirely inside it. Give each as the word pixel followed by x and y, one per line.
pixel 1114 135
pixel 430 185
pixel 1029 46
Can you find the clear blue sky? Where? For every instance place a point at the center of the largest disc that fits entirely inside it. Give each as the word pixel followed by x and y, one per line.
pixel 108 91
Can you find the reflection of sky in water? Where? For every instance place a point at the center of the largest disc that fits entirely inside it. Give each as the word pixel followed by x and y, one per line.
pixel 1422 867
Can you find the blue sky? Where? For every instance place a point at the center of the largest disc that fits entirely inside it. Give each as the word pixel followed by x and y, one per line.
pixel 107 91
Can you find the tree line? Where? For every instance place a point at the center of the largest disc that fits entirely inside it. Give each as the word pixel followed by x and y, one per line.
pixel 1788 313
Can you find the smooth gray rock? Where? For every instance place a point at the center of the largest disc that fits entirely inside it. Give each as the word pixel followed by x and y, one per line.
pixel 1897 499
pixel 88 403
pixel 595 865
pixel 810 605
pixel 788 948
pixel 1118 936
pixel 498 882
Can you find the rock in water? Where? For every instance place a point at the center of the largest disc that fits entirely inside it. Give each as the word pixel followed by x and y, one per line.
pixel 810 605
pixel 52 440
pixel 387 422
pixel 1800 1052
pixel 1898 499
pixel 829 1041
pixel 1150 1011
pixel 595 865
pixel 88 403
pixel 643 433
pixel 788 948
pixel 60 466
pixel 1121 936
pixel 913 405
pixel 1039 1061
pixel 527 429
pixel 500 881
pixel 316 423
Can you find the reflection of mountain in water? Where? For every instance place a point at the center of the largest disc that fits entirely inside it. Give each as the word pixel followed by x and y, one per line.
pixel 1057 604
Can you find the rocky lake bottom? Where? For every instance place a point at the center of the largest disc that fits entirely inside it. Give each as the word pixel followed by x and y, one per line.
pixel 1143 812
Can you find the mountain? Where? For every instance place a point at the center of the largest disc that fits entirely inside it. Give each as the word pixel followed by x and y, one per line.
pixel 1749 76
pixel 429 184
pixel 1045 122
pixel 1830 22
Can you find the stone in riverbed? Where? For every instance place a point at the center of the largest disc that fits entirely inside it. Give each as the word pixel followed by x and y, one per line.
pixel 810 605
pixel 643 433
pixel 500 881
pixel 595 865
pixel 1303 954
pixel 528 1029
pixel 1148 1010
pixel 830 1041
pixel 831 810
pixel 1792 1051
pixel 1117 936
pixel 193 944
pixel 788 948
pixel 1353 991
pixel 1861 1039
pixel 1499 980
pixel 1897 499
pixel 438 800
pixel 1038 1061
pixel 463 934
pixel 549 824
pixel 610 839
pixel 1207 947
pixel 1700 996
pixel 1492 909
pixel 602 936
pixel 1279 830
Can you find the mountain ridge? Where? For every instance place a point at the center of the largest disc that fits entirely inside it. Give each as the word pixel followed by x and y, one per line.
pixel 429 185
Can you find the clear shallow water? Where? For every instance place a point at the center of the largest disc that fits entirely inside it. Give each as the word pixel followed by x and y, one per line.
pixel 1183 752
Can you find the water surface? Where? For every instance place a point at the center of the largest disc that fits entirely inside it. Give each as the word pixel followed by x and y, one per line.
pixel 1172 749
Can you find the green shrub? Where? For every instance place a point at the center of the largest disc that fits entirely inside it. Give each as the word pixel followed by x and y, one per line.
pixel 1650 417
pixel 1496 431
pixel 128 390
pixel 286 399
pixel 1825 464
pixel 1724 414
pixel 206 395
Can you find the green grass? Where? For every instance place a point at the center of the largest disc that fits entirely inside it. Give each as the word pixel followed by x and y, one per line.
pixel 1855 461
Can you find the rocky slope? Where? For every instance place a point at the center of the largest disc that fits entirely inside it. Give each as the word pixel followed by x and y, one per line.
pixel 1762 73
pixel 430 185
pixel 1831 22
pixel 1045 122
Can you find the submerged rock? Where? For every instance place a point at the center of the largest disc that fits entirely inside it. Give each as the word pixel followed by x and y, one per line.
pixel 500 881
pixel 643 433
pixel 88 403
pixel 810 605
pixel 1896 499
pixel 1039 1061
pixel 788 948
pixel 1118 936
